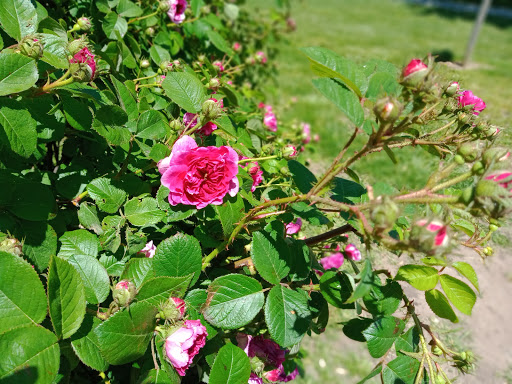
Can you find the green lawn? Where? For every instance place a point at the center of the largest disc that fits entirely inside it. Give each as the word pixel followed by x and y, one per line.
pixel 393 31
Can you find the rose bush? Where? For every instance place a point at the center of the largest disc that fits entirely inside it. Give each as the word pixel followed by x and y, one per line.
pixel 159 225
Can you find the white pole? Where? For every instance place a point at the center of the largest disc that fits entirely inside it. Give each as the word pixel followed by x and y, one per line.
pixel 482 14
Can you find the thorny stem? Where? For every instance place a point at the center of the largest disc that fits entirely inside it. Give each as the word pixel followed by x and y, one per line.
pixel 330 234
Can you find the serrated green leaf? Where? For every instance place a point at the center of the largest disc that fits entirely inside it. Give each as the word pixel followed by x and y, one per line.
pixel 375 371
pixel 22 296
pixel 384 300
pixel 178 256
pixel 287 315
pixel 231 366
pixel 66 297
pixel 94 277
pixel 108 197
pixel 109 122
pixel 403 370
pixel 366 283
pixel 55 50
pixel 233 301
pixel 111 237
pixel 468 272
pixel 138 271
pixel 159 289
pixel 459 293
pixel 434 261
pixel 159 54
pixel 125 336
pixel 85 344
pixel 230 213
pixel 439 304
pixel 18 18
pixel 88 217
pixel 381 84
pixel 152 125
pixel 409 341
pixel 114 25
pixel 79 242
pixel 35 359
pixel 186 90
pixel 382 333
pixel 219 42
pixel 419 276
pixel 40 243
pixel 336 289
pixel 20 134
pixel 270 255
pixel 302 177
pixel 126 8
pixel 159 376
pixel 126 99
pixel 143 212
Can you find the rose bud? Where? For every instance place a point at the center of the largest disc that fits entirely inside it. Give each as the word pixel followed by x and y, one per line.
pixel 84 23
pixel 385 214
pixel 219 65
pixel 270 120
pixel 414 73
pixel 289 152
pixel 211 109
pixel 173 309
pixel 471 102
pixel 83 66
pixel 124 293
pixel 165 66
pixel 256 174
pixel 387 110
pixel 182 345
pixel 493 155
pixel 260 57
pixel 294 227
pixel 452 89
pixel 429 236
pixel 469 151
pixel 10 245
pixel 352 252
pixel 149 31
pixel 31 47
pixel 149 250
pixel 279 375
pixel 214 83
pixel 237 47
pixel 176 125
pixel 164 6
pixel 144 63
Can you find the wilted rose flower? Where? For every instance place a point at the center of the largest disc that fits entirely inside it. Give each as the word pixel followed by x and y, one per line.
pixel 352 252
pixel 333 261
pixel 415 65
pixel 279 375
pixel 438 228
pixel 84 56
pixel 467 98
pixel 184 344
pixel 219 65
pixel 261 57
pixel 149 250
pixel 199 175
pixel 176 11
pixel 256 174
pixel 294 227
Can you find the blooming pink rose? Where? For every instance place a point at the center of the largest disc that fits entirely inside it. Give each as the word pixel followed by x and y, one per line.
pixel 279 375
pixel 438 228
pixel 85 56
pixel 270 120
pixel 333 261
pixel 237 46
pixel 149 250
pixel 267 350
pixel 415 65
pixel 180 305
pixel 504 179
pixel 294 227
pixel 199 175
pixel 184 344
pixel 467 98
pixel 261 57
pixel 219 65
pixel 177 11
pixel 352 252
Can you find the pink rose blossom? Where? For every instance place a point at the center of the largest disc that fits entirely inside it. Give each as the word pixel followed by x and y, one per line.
pixel 503 179
pixel 180 305
pixel 237 46
pixel 219 65
pixel 149 250
pixel 199 175
pixel 85 56
pixel 269 119
pixel 177 11
pixel 294 227
pixel 415 65
pixel 333 261
pixel 306 133
pixel 229 82
pixel 439 229
pixel 352 252
pixel 261 57
pixel 467 98
pixel 279 375
pixel 256 174
pixel 184 344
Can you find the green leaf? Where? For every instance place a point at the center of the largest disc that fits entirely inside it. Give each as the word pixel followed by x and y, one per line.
pixel 233 301
pixel 66 297
pixel 403 370
pixel 271 256
pixel 85 344
pixel 22 296
pixel 231 366
pixel 40 243
pixel 126 8
pixel 25 206
pixel 108 198
pixel 382 333
pixel 219 42
pixel 158 376
pixel 372 374
pixel 178 256
pixel 138 271
pixel 408 342
pixel 342 97
pixel 336 289
pixel 152 125
pixel 468 272
pixel 30 356
pixel 78 243
pixel 287 315
pixel 111 237
pixel 301 257
pixel 18 18
pixel 231 11
pixel 230 213
pixel 159 289
pixel 434 261
pixel 390 154
pixel 439 304
pixel 20 134
pixel 381 84
pixel 384 300
pixel 55 50
pixel 114 26
pixel 159 54
pixel 109 122
pixel 126 99
pixel 94 277
pixel 347 191
pixel 419 276
pixel 366 283
pixel 326 63
pixel 77 113
pixel 143 212
pixel 459 293
pixel 186 90
pixel 354 328
pixel 302 177
pixel 125 336
pixel 17 72
pixel 88 217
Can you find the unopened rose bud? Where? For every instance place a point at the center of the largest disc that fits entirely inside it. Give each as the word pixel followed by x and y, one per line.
pixel 488 251
pixel 10 245
pixel 219 65
pixel 31 47
pixel 124 293
pixel 260 57
pixel 478 168
pixel 469 151
pixel 177 63
pixel 289 152
pixel 491 131
pixel 452 89
pixel 384 215
pixel 84 23
pixel 352 252
pixel 164 6
pixel 414 73
pixel 165 66
pixel 201 58
pixel 211 109
pixel 176 125
pixel 429 236
pixel 76 46
pixel 459 159
pixel 237 47
pixel 205 10
pixel 464 118
pixel 291 24
pixel 214 83
pixel 494 155
pixel 173 309
pixel 467 195
pixel 386 110
pixel 150 31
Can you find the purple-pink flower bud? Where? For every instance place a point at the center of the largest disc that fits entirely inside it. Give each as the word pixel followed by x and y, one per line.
pixel 415 65
pixel 261 57
pixel 438 229
pixel 219 65
pixel 237 47
pixel 149 250
pixel 84 56
pixel 352 252
pixel 256 174
pixel 180 305
pixel 467 98
pixel 294 227
pixel 333 261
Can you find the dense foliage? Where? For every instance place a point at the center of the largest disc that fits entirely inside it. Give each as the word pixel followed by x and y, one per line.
pixel 157 225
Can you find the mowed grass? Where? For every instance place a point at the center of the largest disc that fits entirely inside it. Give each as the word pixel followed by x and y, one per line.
pixel 395 31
